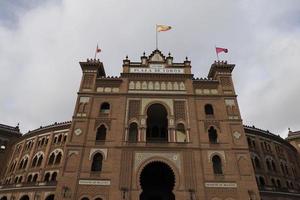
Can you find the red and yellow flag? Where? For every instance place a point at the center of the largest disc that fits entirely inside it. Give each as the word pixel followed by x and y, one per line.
pixel 160 28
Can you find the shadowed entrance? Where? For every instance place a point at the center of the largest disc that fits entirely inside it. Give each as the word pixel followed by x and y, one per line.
pixel 157 181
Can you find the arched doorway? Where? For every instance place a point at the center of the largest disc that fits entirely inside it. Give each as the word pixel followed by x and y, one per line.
pixel 157 123
pixel 4 198
pixel 50 197
pixel 157 182
pixel 25 197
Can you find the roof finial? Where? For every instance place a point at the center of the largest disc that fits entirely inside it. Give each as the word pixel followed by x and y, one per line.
pixel 186 58
pixel 169 54
pixel 289 129
pixel 144 53
pixel 126 57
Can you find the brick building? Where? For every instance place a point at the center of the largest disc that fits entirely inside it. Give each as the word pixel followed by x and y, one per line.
pixel 155 132
pixel 276 163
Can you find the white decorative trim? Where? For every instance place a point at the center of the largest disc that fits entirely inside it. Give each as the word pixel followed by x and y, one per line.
pixel 210 154
pixel 102 151
pixel 142 156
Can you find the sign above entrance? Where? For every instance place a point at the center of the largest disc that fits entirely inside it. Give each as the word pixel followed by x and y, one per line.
pixel 220 185
pixel 94 182
pixel 157 70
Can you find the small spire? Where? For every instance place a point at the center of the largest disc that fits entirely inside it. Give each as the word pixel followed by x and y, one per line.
pixel 186 58
pixel 126 57
pixel 169 54
pixel 144 53
pixel 289 129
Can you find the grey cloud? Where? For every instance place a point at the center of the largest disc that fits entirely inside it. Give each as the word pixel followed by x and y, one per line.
pixel 40 58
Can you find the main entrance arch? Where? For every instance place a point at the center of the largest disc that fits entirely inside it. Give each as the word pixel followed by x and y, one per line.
pixel 157 123
pixel 157 182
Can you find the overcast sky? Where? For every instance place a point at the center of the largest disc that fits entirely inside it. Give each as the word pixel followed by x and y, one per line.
pixel 41 43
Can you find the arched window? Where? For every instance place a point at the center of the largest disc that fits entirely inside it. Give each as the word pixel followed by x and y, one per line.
pixel 4 198
pixel 217 164
pixel 34 161
pixel 84 198
pixel 262 181
pixel 25 197
pixel 98 199
pixel 35 178
pixel 59 138
pixel 104 108
pixel 257 163
pixel 65 138
pixel 50 197
pixel 278 183
pixel 39 163
pixel 20 179
pixel 21 164
pixel 268 165
pixel 180 133
pixel 97 162
pixel 25 163
pixel 212 135
pixel 101 133
pixel 209 110
pixel 29 178
pixel 133 133
pixel 273 166
pixel 55 140
pixel 16 179
pixel 53 177
pixel 47 177
pixel 273 182
pixel 58 158
pixel 51 159
pixel 157 123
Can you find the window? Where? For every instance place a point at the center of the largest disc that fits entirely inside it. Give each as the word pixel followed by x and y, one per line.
pixel 53 177
pixel 212 135
pixel 51 159
pixel 262 181
pixel 101 133
pixel 97 162
pixel 58 158
pixel 85 198
pixel 59 138
pixel 217 164
pixel 180 133
pixel 273 166
pixel 104 108
pixel 35 178
pixel 209 110
pixel 278 183
pixel 257 163
pixel 34 161
pixel 39 163
pixel 133 133
pixel 268 165
pixel 47 177
pixel 29 178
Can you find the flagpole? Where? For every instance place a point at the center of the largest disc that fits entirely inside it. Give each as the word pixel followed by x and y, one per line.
pixel 96 52
pixel 156 37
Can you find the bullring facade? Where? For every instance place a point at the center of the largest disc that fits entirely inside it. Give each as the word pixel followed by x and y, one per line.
pixel 155 132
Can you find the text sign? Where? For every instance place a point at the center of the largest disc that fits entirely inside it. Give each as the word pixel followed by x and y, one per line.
pixel 157 70
pixel 221 185
pixel 94 182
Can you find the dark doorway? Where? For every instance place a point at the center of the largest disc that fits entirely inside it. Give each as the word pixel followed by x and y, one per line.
pixel 157 181
pixel 157 123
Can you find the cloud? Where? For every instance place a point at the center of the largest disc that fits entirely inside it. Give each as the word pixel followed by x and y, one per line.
pixel 40 52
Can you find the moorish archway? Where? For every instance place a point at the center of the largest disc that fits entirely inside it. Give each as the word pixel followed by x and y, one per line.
pixel 25 197
pixel 157 181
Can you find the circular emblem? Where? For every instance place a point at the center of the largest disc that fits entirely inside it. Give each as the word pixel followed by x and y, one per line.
pixel 78 131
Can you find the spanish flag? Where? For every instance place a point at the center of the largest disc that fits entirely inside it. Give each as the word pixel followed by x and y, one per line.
pixel 160 28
